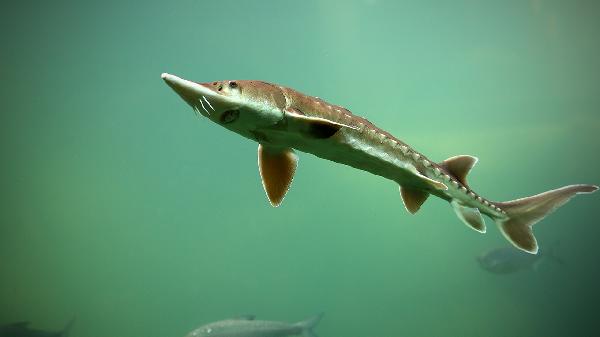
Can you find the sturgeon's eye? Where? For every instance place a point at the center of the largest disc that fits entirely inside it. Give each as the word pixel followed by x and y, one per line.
pixel 233 84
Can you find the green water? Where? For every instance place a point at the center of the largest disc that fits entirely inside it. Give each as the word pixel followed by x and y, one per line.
pixel 119 207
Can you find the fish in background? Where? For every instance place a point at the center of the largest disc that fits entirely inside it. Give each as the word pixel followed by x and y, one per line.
pixel 506 260
pixel 247 326
pixel 22 329
pixel 282 120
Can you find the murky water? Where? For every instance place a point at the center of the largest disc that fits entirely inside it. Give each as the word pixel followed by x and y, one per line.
pixel 121 208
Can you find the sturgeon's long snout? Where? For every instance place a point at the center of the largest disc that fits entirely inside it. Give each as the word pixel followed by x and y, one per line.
pixel 184 87
pixel 203 97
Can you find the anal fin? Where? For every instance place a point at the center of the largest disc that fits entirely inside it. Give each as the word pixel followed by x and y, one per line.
pixel 470 216
pixel 277 167
pixel 413 198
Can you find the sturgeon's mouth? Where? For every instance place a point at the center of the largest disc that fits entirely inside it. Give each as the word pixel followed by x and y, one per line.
pixel 201 97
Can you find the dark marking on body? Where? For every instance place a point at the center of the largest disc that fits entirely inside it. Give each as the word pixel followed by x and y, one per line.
pixel 229 116
pixel 298 111
pixel 260 137
pixel 323 130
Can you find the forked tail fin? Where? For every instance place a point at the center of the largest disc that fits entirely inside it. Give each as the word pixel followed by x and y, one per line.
pixel 67 329
pixel 522 214
pixel 551 255
pixel 308 325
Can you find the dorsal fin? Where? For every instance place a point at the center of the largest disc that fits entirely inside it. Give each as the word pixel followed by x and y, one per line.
pixel 245 318
pixel 459 167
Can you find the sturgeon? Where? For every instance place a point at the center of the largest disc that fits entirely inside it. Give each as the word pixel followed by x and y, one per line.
pixel 22 329
pixel 506 260
pixel 282 120
pixel 248 326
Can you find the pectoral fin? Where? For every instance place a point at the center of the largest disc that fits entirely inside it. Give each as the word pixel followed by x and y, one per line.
pixel 413 198
pixel 470 216
pixel 277 167
pixel 428 182
pixel 313 127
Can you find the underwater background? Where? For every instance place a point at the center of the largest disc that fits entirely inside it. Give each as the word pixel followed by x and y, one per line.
pixel 121 208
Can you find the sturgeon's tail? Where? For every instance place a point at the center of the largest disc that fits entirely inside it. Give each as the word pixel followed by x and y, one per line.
pixel 67 329
pixel 309 324
pixel 551 255
pixel 522 214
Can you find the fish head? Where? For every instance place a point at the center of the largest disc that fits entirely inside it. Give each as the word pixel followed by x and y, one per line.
pixel 487 261
pixel 496 264
pixel 482 261
pixel 239 105
pixel 479 258
pixel 203 331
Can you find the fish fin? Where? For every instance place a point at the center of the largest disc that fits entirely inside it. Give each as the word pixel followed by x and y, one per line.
pixel 245 317
pixel 413 198
pixel 309 324
pixel 535 266
pixel 522 214
pixel 550 255
pixel 428 182
pixel 312 127
pixel 470 216
pixel 277 167
pixel 67 329
pixel 459 167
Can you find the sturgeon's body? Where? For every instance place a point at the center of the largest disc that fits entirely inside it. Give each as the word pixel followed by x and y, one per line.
pixel 247 326
pixel 366 147
pixel 22 329
pixel 281 119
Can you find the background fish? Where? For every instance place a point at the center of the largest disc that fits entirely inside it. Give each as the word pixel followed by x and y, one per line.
pixel 507 260
pixel 21 329
pixel 247 326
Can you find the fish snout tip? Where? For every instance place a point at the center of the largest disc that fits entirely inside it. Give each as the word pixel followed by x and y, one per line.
pixel 165 76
